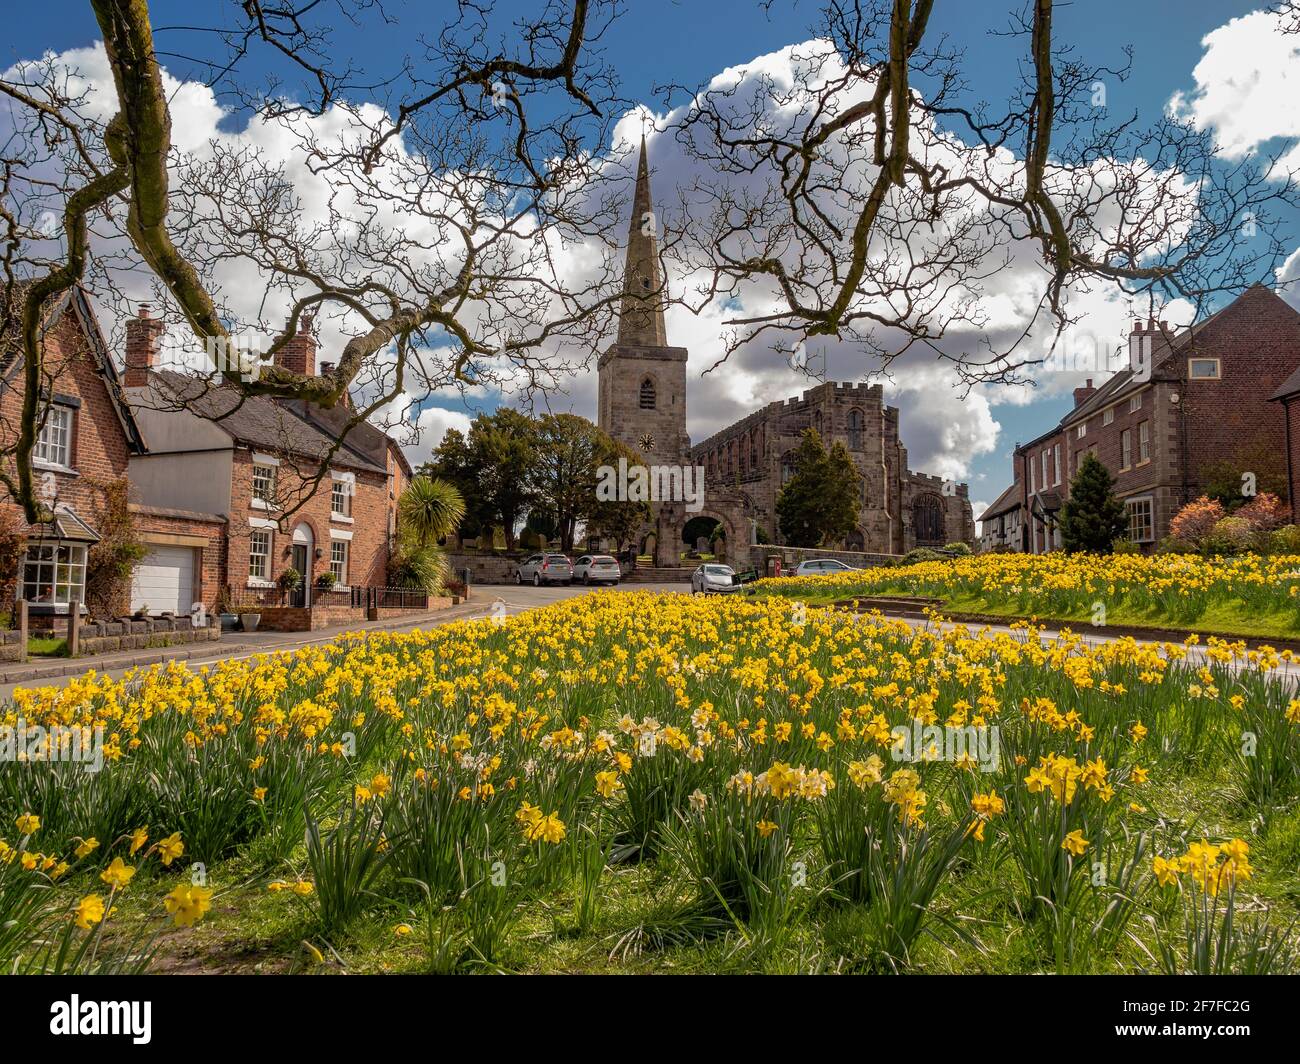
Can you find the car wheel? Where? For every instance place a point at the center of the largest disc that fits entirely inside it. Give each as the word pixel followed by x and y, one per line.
pixel 586 579
pixel 537 579
pixel 519 577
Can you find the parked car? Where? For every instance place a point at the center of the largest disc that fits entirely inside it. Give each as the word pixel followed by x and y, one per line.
pixel 597 569
pixel 818 566
pixel 714 579
pixel 545 569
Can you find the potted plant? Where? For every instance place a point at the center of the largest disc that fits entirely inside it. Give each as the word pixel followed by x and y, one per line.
pixel 226 612
pixel 326 581
pixel 290 579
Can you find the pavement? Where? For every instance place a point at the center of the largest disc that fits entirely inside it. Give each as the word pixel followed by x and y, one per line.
pixel 234 646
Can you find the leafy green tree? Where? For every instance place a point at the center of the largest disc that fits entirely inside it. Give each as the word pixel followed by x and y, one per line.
pixel 491 468
pixel 1092 518
pixel 819 503
pixel 569 453
pixel 427 511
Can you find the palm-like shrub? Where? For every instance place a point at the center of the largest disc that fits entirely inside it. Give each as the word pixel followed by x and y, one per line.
pixel 428 510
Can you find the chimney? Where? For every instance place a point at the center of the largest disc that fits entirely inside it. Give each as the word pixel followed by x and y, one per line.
pixel 345 400
pixel 143 341
pixel 1080 394
pixel 298 355
pixel 1140 350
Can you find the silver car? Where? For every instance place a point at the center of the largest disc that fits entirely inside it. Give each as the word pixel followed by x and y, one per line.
pixel 820 566
pixel 545 569
pixel 597 569
pixel 714 579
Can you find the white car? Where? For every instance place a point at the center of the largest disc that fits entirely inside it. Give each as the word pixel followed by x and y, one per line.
pixel 597 569
pixel 821 566
pixel 714 579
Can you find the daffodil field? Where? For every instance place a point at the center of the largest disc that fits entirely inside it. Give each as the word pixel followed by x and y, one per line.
pixel 631 781
pixel 1247 594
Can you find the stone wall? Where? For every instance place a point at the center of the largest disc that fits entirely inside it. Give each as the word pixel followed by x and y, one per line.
pixel 792 556
pixel 105 637
pixel 11 646
pixel 486 568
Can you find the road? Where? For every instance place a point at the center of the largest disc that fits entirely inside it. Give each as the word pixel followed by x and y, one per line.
pixel 516 599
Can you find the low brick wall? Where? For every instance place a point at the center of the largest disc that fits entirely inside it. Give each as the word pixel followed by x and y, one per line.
pixel 436 602
pixel 104 637
pixel 304 619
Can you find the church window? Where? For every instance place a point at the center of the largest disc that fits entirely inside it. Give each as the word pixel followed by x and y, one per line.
pixel 647 394
pixel 855 430
pixel 927 521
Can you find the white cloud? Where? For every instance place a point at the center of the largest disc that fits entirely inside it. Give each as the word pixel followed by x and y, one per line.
pixel 1247 86
pixel 432 426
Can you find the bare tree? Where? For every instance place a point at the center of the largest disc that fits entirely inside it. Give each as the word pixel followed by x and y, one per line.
pixel 872 200
pixel 450 195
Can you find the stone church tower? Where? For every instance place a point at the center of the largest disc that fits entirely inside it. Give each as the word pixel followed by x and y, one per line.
pixel 642 380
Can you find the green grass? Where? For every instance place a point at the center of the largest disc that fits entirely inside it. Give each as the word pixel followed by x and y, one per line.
pixel 1233 618
pixel 47 647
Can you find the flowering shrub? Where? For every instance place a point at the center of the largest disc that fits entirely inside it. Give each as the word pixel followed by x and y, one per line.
pixel 1196 520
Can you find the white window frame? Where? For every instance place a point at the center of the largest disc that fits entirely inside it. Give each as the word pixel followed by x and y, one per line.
pixel 339 565
pixel 1144 442
pixel 1125 450
pixel 1132 506
pixel 1108 415
pixel 1193 376
pixel 1056 464
pixel 258 579
pixel 272 474
pixel 1135 403
pixel 53 446
pixel 59 565
pixel 1046 479
pixel 1081 431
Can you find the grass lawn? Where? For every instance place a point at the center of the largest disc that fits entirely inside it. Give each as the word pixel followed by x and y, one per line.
pixel 47 646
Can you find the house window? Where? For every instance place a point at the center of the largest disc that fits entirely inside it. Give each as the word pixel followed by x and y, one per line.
pixel 54 444
pixel 264 484
pixel 1046 478
pixel 54 574
pixel 647 394
pixel 1125 449
pixel 1108 415
pixel 1135 402
pixel 1081 431
pixel 339 560
pixel 1141 520
pixel 1203 369
pixel 341 498
pixel 1056 463
pixel 1144 441
pixel 259 554
pixel 1032 487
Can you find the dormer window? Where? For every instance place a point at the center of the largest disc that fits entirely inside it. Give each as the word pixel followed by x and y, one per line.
pixel 647 394
pixel 54 444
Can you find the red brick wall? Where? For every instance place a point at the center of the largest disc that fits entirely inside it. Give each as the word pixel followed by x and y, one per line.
pixel 99 445
pixel 1292 408
pixel 1257 340
pixel 368 555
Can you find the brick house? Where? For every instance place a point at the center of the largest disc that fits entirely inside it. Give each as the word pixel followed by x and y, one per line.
pixel 286 491
pixel 1190 401
pixel 1288 394
pixel 87 440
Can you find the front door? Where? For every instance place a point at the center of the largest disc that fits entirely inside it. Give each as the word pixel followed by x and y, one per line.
pixel 298 596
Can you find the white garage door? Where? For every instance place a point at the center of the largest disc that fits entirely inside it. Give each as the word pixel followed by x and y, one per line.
pixel 164 580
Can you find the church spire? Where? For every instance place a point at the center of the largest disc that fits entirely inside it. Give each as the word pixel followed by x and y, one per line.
pixel 641 317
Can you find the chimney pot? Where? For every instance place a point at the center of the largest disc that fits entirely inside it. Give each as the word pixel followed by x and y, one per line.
pixel 1137 326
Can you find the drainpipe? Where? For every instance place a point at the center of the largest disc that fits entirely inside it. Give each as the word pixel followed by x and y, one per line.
pixel 884 473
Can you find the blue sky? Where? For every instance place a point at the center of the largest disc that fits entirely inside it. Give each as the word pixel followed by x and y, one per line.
pixel 689 42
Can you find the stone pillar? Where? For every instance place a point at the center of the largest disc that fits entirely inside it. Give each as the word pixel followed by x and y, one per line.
pixel 22 629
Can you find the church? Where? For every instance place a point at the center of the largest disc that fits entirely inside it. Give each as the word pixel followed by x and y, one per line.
pixel 642 403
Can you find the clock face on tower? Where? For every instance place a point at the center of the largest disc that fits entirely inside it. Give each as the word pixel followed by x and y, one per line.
pixel 646 441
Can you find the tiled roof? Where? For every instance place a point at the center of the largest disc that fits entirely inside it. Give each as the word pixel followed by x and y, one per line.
pixel 1008 500
pixel 259 421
